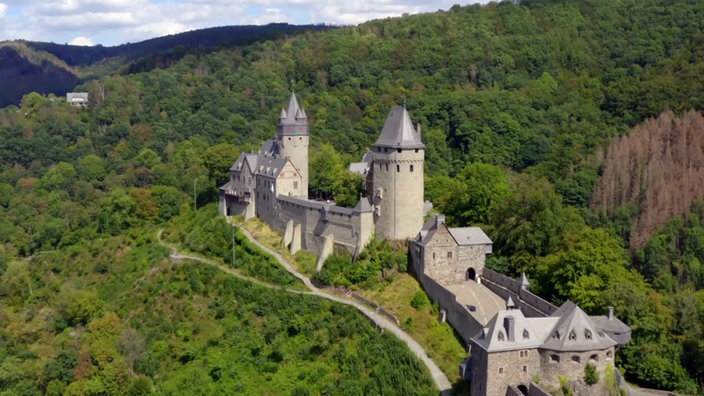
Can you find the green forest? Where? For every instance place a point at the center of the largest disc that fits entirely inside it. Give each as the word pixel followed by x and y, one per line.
pixel 518 103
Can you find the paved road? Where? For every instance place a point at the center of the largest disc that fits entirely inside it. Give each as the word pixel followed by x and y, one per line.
pixel 441 380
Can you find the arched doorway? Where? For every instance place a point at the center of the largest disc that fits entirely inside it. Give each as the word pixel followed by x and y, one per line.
pixel 523 389
pixel 471 274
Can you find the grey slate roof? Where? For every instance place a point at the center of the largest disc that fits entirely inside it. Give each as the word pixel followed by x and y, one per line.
pixel 363 206
pixel 398 131
pixel 270 166
pixel 567 329
pixel 252 161
pixel 527 333
pixel 575 331
pixel 269 149
pixel 293 113
pixel 468 236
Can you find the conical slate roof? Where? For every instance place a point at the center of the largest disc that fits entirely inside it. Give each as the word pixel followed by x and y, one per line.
pixel 294 111
pixel 398 131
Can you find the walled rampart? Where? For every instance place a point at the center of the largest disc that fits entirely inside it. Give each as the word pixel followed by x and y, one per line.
pixel 317 222
pixel 457 314
pixel 503 286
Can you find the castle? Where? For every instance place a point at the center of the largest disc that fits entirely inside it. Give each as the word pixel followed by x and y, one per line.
pixel 515 337
pixel 272 185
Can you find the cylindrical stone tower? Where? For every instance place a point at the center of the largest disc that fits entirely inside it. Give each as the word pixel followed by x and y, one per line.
pixel 397 178
pixel 292 135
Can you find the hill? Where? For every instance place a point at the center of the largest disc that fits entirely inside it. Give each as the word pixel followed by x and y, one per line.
pixel 516 102
pixel 45 68
pixel 658 169
pixel 25 70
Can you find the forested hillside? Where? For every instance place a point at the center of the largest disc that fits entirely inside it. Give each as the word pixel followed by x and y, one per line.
pixel 518 105
pixel 27 66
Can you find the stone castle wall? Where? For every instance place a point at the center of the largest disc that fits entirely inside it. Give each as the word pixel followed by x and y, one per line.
pixel 571 364
pixel 503 286
pixel 318 220
pixel 457 314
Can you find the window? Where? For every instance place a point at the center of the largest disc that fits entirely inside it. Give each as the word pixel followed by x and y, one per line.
pixel 525 369
pixel 387 167
pixel 416 150
pixel 521 353
pixel 433 255
pixel 608 354
pixel 556 335
pixel 525 334
pixel 501 370
pixel 500 336
pixel 295 185
pixel 573 335
pixel 449 254
pixel 398 168
pixel 411 168
pixel 594 358
pixel 587 334
pixel 554 358
pixel 398 150
pixel 576 359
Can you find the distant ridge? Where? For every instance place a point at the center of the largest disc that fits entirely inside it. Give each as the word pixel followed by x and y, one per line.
pixel 27 66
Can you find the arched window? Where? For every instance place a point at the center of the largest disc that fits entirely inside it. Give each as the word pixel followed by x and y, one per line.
pixel 411 168
pixel 594 358
pixel 576 359
pixel 554 358
pixel 609 354
pixel 500 336
pixel 573 335
pixel 587 334
pixel 525 334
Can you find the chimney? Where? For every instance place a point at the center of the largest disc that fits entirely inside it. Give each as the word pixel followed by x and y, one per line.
pixel 611 313
pixel 509 326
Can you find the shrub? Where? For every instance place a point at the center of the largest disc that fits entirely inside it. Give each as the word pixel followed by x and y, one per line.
pixel 591 376
pixel 420 300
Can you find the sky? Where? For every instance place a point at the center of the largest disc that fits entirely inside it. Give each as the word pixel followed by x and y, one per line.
pixel 114 22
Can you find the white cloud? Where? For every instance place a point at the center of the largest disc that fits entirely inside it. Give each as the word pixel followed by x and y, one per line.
pixel 80 40
pixel 3 10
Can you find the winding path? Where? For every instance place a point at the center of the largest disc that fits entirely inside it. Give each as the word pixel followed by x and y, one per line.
pixel 441 380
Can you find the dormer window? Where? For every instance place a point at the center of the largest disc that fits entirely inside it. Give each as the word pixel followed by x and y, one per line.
pixel 587 334
pixel 556 335
pixel 525 334
pixel 500 336
pixel 573 335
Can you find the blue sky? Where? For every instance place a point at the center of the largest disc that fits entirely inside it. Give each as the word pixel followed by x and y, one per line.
pixel 113 22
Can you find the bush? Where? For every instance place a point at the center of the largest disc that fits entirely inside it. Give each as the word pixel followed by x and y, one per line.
pixel 420 300
pixel 591 376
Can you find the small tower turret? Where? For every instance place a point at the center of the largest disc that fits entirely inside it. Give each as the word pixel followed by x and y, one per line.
pixel 292 137
pixel 398 158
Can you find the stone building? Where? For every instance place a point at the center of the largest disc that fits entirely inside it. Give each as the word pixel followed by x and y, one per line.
pixel 450 255
pixel 518 351
pixel 272 185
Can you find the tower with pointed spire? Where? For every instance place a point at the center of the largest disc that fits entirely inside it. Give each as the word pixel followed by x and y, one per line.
pixel 292 138
pixel 398 158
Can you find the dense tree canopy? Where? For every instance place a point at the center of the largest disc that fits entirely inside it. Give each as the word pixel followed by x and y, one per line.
pixel 517 103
